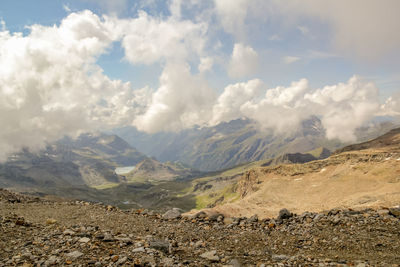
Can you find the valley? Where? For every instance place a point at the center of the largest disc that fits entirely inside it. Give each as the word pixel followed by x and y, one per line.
pixel 86 168
pixel 317 208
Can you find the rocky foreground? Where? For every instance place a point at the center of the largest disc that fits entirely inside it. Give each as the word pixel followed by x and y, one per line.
pixel 43 232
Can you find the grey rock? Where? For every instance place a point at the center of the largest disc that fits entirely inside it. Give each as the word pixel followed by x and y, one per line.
pixel 276 257
pixel 395 212
pixel 68 232
pixel 318 217
pixel 74 254
pixel 234 263
pixel 215 217
pixel 160 245
pixel 253 219
pixel 84 240
pixel 121 261
pixel 172 214
pixel 137 250
pixel 336 219
pixel 27 256
pixel 210 255
pixel 167 262
pixel 108 237
pixel 284 214
pixel 200 214
pixel 52 260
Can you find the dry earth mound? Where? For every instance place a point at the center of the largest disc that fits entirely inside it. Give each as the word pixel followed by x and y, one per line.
pixel 358 176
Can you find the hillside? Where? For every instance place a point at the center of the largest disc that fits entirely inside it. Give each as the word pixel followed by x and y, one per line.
pixel 152 170
pixel 358 176
pixel 388 141
pixel 237 142
pixel 220 187
pixel 87 161
pixel 107 147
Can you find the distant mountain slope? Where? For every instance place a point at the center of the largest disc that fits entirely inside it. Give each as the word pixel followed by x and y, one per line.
pixel 152 170
pixel 388 140
pixel 235 142
pixel 89 160
pixel 99 145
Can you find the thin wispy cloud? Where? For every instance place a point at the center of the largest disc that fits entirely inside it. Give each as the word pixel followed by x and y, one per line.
pixel 66 8
pixel 290 59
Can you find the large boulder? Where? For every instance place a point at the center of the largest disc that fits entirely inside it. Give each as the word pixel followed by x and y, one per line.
pixel 172 214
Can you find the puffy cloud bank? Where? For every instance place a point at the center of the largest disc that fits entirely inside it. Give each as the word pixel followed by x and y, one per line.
pixel 342 107
pixel 51 84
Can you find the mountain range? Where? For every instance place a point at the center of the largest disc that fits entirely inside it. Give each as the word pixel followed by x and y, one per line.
pixel 236 142
pixel 86 167
pixel 89 160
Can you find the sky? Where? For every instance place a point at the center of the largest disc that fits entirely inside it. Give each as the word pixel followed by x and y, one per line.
pixel 68 67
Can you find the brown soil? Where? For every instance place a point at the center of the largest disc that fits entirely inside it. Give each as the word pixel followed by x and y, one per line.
pixel 348 180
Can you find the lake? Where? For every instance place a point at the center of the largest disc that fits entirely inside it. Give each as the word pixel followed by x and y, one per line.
pixel 124 170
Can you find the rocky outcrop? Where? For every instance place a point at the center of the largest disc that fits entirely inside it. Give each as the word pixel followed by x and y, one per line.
pixel 248 183
pixel 291 158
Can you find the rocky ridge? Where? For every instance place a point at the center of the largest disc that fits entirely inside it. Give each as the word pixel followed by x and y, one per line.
pixel 42 232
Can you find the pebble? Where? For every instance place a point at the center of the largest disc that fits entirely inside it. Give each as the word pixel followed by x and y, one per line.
pixel 74 254
pixel 51 221
pixel 141 249
pixel 210 255
pixel 160 245
pixel 84 240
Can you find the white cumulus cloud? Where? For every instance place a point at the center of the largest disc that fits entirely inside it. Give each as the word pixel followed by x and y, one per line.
pixel 183 100
pixel 49 84
pixel 231 100
pixel 244 61
pixel 342 107
pixel 148 39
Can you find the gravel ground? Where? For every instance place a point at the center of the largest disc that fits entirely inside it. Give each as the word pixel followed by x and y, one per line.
pixel 40 232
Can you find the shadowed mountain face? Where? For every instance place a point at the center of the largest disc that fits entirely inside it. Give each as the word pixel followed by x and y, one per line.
pixel 236 142
pixel 87 161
